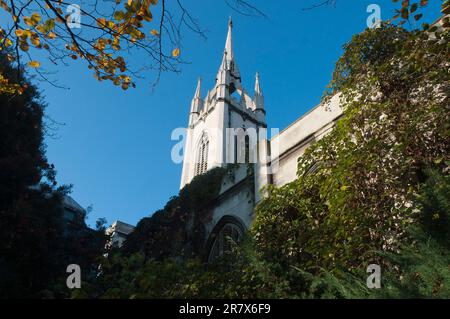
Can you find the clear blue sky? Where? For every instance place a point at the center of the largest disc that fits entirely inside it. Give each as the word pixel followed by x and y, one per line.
pixel 114 146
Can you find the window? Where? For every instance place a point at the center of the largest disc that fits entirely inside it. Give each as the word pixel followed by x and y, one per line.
pixel 242 148
pixel 228 236
pixel 201 165
pixel 247 149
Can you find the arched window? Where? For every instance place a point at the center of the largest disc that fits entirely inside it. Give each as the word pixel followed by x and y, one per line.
pixel 227 237
pixel 247 149
pixel 242 147
pixel 201 165
pixel 228 232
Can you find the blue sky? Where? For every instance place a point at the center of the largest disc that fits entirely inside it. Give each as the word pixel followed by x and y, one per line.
pixel 114 146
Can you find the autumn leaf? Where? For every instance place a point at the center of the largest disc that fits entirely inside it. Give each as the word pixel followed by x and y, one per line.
pixel 176 52
pixel 154 32
pixel 34 64
pixel 24 46
pixel 8 42
pixel 101 22
pixel 28 21
pixel 119 15
pixel 49 25
pixel 33 20
pixel 51 35
pixel 19 32
pixel 35 41
pixel 36 17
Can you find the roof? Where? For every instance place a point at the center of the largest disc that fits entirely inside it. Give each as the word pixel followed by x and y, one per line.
pixel 71 204
pixel 122 227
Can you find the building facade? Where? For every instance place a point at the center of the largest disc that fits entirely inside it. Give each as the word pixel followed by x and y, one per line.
pixel 228 126
pixel 117 233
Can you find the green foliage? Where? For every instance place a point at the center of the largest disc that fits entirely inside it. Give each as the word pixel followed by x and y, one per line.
pixel 420 269
pixel 239 274
pixel 425 262
pixel 393 86
pixel 36 243
pixel 178 229
pixel 434 202
pixel 378 193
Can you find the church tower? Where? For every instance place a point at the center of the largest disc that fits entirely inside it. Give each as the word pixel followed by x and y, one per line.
pixel 215 119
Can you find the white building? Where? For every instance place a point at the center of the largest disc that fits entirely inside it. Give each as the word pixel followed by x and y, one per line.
pixel 229 126
pixel 117 233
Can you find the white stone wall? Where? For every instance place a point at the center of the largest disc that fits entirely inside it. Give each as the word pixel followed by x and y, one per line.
pixel 293 141
pixel 211 122
pixel 290 144
pixel 238 203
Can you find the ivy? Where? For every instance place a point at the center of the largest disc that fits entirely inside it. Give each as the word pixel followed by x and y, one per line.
pixel 178 230
pixel 374 190
pixel 393 87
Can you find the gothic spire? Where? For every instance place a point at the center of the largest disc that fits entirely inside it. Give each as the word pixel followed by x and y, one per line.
pixel 197 102
pixel 198 89
pixel 228 61
pixel 257 85
pixel 258 97
pixel 229 42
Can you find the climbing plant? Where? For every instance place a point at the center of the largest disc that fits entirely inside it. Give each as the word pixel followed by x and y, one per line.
pixel 393 87
pixel 178 230
pixel 378 193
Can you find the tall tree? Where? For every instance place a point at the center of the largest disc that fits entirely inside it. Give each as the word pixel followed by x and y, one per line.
pixel 36 244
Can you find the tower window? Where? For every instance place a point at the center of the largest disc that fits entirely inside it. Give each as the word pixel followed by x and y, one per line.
pixel 201 164
pixel 242 148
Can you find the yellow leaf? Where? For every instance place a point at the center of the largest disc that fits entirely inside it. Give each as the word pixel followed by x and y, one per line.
pixel 40 28
pixel 8 42
pixel 34 64
pixel 176 52
pixel 24 46
pixel 36 17
pixel 101 22
pixel 28 21
pixel 35 41
pixel 154 32
pixel 51 35
pixel 19 32
pixel 33 20
pixel 130 2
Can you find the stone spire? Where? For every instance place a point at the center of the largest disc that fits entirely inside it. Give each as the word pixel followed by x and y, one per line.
pixel 196 104
pixel 257 85
pixel 258 97
pixel 228 60
pixel 258 101
pixel 197 94
pixel 228 78
pixel 229 42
